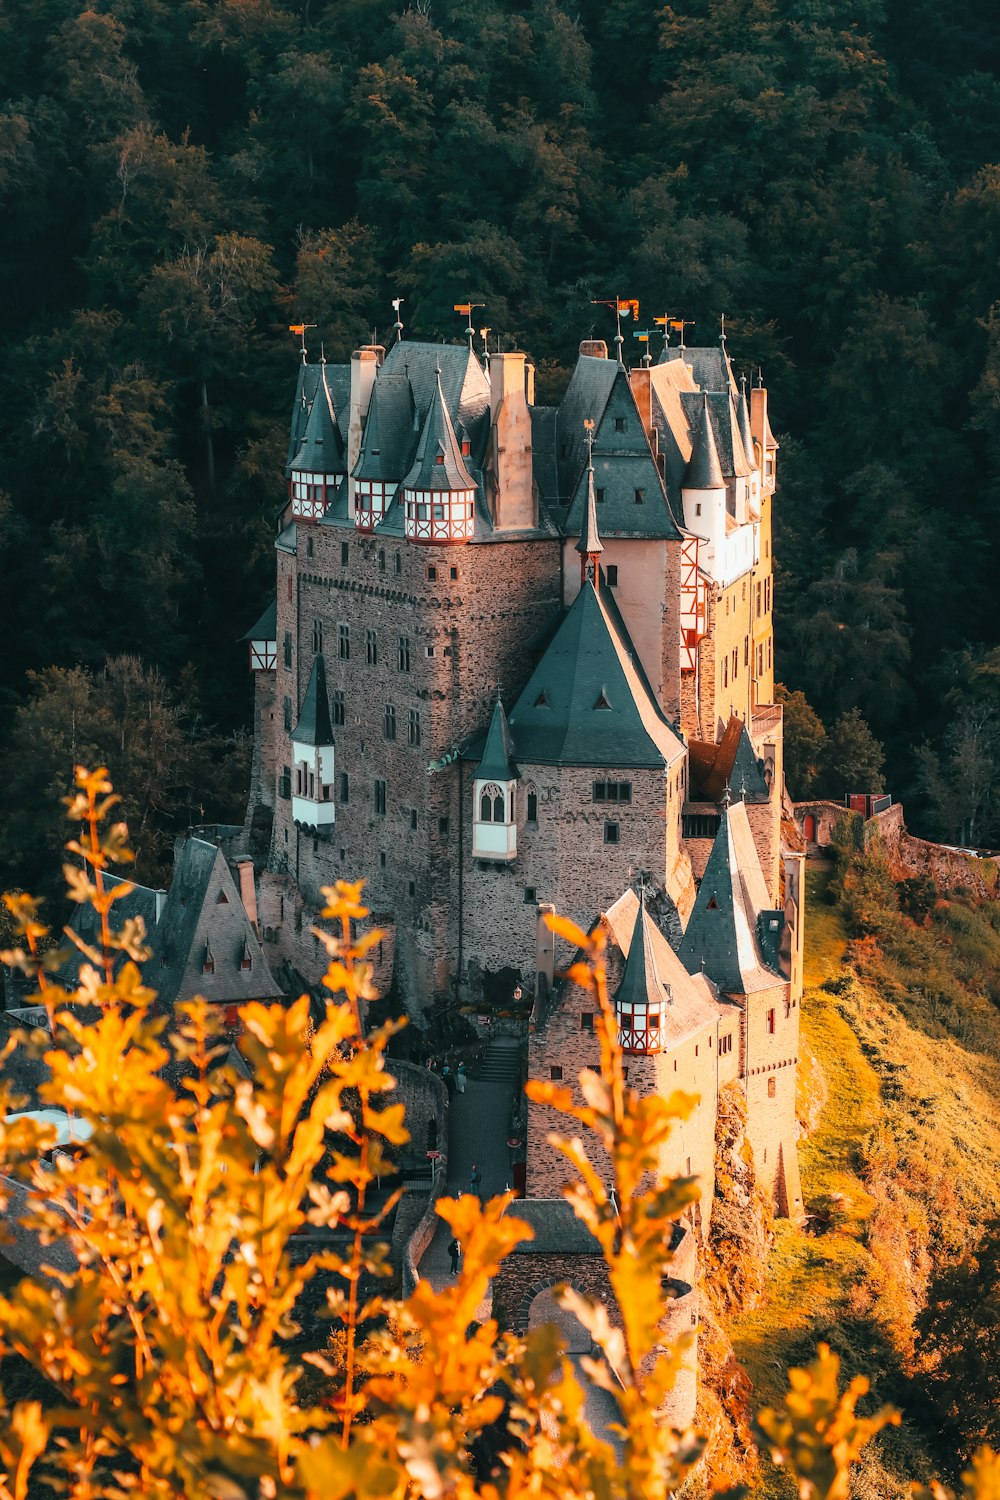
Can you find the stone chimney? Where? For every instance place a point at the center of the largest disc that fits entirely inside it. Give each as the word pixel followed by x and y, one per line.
pixel 759 429
pixel 595 348
pixel 248 891
pixel 642 391
pixel 510 444
pixel 364 368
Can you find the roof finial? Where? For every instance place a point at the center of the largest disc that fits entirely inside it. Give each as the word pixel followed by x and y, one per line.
pixel 760 378
pixel 722 335
pixel 322 353
pixel 398 325
pixel 466 309
pixel 727 796
pixel 623 307
pixel 589 546
pixel 300 329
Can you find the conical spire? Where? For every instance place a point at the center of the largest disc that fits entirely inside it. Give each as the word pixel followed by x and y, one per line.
pixel 721 934
pixel 322 450
pixel 497 763
pixel 439 464
pixel 704 471
pixel 641 985
pixel 743 421
pixel 590 544
pixel 315 726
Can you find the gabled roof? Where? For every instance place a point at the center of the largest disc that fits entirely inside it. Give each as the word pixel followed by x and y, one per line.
pixel 721 936
pixel 390 435
pixel 465 386
pixel 438 463
pixel 710 366
pixel 650 961
pixel 704 471
pixel 498 763
pixel 141 901
pixel 203 913
pixel 585 400
pixel 624 470
pixel 586 704
pixel 322 450
pixel 731 763
pixel 315 726
pixel 266 628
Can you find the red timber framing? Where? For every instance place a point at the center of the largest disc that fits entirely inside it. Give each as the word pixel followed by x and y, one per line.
pixel 692 605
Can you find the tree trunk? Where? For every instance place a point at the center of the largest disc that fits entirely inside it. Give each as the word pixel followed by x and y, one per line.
pixel 209 447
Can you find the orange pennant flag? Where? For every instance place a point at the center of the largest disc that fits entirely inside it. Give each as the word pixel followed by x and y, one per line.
pixel 299 328
pixel 464 307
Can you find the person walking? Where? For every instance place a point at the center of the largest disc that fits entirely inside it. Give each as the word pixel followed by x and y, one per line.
pixel 460 1076
pixel 455 1251
pixel 475 1181
pixel 448 1080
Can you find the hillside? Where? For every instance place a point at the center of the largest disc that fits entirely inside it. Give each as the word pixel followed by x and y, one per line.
pixel 903 1156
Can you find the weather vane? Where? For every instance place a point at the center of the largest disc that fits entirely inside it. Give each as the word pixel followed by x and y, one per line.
pixel 397 303
pixel 300 330
pixel 465 308
pixel 624 307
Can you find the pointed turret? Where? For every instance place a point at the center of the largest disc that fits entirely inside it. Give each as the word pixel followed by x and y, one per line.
pixel 721 936
pixel 704 471
pixel 590 545
pixel 743 422
pixel 439 491
pixel 313 752
pixel 320 459
pixel 494 822
pixel 498 762
pixel 642 994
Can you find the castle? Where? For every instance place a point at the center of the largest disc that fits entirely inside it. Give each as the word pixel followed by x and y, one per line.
pixel 521 660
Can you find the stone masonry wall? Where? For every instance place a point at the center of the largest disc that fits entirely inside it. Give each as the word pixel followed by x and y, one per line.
pixel 463 634
pixel 769 1060
pixel 563 858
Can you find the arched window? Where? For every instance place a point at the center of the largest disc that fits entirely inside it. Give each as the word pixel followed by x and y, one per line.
pixel 532 803
pixel 492 804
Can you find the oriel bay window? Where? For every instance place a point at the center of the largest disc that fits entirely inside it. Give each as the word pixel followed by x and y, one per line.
pixel 494 830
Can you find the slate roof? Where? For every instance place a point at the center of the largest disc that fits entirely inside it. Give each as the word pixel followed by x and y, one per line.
pixel 438 463
pixel 203 912
pixel 704 471
pixel 652 962
pixel 498 762
pixel 315 727
pixel 710 366
pixel 391 432
pixel 322 450
pixel 465 385
pixel 732 762
pixel 743 420
pixel 305 390
pixel 586 703
pixel 726 431
pixel 558 1231
pixel 266 628
pixel 624 469
pixel 141 901
pixel 586 398
pixel 721 936
pixel 590 544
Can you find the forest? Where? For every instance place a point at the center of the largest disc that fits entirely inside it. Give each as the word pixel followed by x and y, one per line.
pixel 180 182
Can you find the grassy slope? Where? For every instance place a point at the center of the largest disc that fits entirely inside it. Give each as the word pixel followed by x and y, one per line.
pixel 905 1153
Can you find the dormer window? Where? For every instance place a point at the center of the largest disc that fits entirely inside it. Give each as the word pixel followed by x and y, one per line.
pixel 439 459
pixel 466 448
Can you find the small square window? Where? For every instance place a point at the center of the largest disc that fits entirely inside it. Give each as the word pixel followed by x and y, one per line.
pixel 345 787
pixel 619 424
pixel 432 573
pixel 381 559
pixel 555 1073
pixel 611 832
pixel 380 798
pixel 309 546
pixel 430 650
pixel 599 496
pixel 772 1087
pixel 345 553
pixel 640 497
pixel 413 887
pixel 413 818
pixel 770 1023
pixel 587 1021
pixel 444 826
pixel 381 859
pixel 453 574
pixel 399 562
pixel 529 895
pixel 611 573
pixel 338 707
